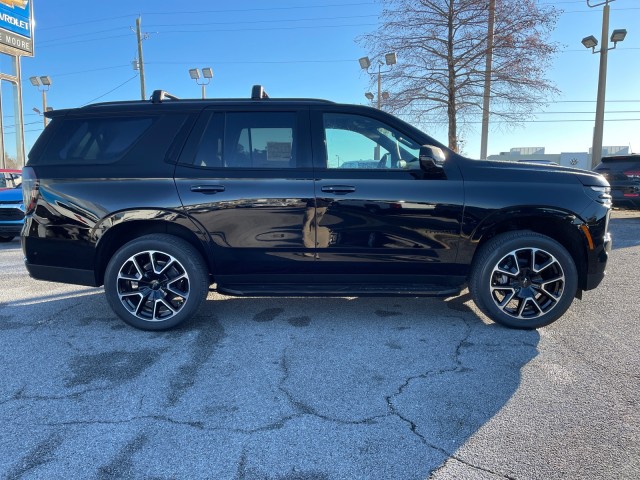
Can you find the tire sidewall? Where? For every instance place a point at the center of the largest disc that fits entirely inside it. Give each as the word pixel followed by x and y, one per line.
pixel 494 250
pixel 184 253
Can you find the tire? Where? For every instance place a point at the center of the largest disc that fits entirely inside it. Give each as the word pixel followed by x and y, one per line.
pixel 523 279
pixel 156 282
pixel 6 238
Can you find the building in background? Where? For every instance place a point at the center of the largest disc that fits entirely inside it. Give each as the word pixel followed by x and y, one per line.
pixel 566 159
pixel 16 41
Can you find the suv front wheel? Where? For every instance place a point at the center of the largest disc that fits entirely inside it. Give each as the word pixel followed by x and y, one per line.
pixel 156 282
pixel 523 279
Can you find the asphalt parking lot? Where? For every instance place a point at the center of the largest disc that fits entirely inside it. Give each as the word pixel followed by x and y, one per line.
pixel 320 389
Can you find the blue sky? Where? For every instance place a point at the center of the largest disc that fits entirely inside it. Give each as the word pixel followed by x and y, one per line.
pixel 306 48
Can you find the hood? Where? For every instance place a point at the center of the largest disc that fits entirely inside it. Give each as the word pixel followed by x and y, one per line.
pixel 538 172
pixel 11 195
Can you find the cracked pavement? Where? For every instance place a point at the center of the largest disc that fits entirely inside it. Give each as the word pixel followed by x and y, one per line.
pixel 320 388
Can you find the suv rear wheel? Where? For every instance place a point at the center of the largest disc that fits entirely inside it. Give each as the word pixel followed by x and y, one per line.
pixel 156 282
pixel 523 279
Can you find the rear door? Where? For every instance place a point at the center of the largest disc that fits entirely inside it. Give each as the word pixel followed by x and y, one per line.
pixel 377 211
pixel 246 177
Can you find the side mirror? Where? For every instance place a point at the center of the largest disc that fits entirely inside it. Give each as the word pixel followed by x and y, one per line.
pixel 431 157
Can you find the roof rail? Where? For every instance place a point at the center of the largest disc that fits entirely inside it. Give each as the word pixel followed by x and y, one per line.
pixel 258 93
pixel 159 95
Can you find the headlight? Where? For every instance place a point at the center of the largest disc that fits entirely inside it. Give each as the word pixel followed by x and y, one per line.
pixel 600 194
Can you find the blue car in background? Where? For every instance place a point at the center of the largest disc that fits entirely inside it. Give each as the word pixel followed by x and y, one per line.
pixel 11 213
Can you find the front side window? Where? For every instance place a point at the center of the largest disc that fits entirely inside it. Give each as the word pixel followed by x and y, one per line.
pixel 358 142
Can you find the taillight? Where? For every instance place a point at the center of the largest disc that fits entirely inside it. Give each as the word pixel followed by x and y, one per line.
pixel 30 187
pixel 633 174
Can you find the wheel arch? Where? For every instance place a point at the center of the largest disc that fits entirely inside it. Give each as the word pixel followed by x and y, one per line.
pixel 118 229
pixel 564 227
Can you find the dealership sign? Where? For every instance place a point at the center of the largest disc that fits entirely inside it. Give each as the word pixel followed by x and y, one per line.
pixel 16 22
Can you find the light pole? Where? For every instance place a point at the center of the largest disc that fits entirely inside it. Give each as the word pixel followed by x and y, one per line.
pixel 591 42
pixel 42 84
pixel 390 59
pixel 207 74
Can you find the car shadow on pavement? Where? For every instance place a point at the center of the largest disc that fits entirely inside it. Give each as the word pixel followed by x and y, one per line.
pixel 274 388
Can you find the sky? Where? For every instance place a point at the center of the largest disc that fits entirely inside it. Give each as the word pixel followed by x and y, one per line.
pixel 307 48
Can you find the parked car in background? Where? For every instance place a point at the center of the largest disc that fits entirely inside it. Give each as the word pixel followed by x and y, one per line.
pixel 11 213
pixel 10 178
pixel 623 173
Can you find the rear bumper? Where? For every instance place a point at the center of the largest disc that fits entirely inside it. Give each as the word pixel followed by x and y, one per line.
pixel 62 275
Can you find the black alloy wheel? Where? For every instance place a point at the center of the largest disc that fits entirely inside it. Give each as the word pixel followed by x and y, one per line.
pixel 523 279
pixel 156 282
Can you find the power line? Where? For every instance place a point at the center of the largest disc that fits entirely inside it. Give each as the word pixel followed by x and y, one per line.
pixel 595 11
pixel 51 40
pixel 261 9
pixel 238 62
pixel 223 30
pixel 176 24
pixel 299 27
pixel 106 19
pixel 86 40
pixel 110 91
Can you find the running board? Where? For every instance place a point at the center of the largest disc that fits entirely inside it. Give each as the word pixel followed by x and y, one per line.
pixel 339 290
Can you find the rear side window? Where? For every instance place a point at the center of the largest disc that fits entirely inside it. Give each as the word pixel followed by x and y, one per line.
pixel 258 140
pixel 95 140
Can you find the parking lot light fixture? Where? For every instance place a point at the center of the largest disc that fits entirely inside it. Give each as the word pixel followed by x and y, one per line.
pixel 365 63
pixel 590 42
pixel 42 83
pixel 207 74
pixel 391 58
pixel 369 96
pixel 618 35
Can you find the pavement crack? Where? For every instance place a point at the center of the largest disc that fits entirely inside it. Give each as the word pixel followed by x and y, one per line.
pixel 305 409
pixel 161 418
pixel 470 465
pixel 20 396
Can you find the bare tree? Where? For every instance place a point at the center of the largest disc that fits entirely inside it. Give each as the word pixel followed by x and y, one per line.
pixel 442 46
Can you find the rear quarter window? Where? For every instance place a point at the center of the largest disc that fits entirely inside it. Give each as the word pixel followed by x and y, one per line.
pixel 96 140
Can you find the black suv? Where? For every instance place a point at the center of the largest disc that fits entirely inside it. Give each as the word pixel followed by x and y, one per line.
pixel 159 200
pixel 623 173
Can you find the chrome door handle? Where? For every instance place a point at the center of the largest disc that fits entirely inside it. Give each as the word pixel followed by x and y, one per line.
pixel 338 189
pixel 207 188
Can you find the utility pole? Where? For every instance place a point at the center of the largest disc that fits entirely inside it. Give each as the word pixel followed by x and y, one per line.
pixel 140 59
pixel 487 82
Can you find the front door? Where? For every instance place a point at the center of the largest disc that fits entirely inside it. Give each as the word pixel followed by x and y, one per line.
pixel 379 216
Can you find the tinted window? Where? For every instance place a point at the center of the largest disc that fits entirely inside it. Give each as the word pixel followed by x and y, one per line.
pixel 355 141
pixel 95 140
pixel 260 140
pixel 206 147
